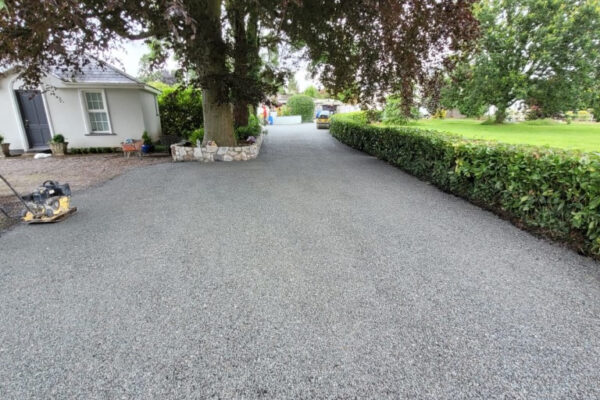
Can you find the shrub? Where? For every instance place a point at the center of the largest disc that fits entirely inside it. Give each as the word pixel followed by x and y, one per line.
pixel 1 139
pixel 534 112
pixel 58 138
pixel 180 110
pixel 393 113
pixel 584 115
pixel 440 113
pixel 285 111
pixel 302 105
pixel 197 135
pixel 311 91
pixel 553 192
pixel 146 138
pixel 596 110
pixel 252 129
pixel 92 150
pixel 374 115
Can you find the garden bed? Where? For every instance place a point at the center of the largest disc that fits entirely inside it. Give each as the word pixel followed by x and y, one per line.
pixel 181 153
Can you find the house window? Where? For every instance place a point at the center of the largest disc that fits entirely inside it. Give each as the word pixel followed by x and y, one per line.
pixel 97 112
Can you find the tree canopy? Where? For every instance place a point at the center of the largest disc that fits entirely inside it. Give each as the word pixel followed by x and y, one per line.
pixel 361 48
pixel 545 52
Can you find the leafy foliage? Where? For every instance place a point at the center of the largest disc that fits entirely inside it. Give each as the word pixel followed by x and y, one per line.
pixel 394 112
pixel 146 139
pixel 285 111
pixel 554 192
pixel 302 105
pixel 94 150
pixel 542 51
pixel 58 138
pixel 312 91
pixel 180 110
pixel 361 48
pixel 196 136
pixel 252 129
pixel 364 48
pixel 1 139
pixel 440 113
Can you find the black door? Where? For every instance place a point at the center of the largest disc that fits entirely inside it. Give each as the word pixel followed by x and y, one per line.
pixel 34 117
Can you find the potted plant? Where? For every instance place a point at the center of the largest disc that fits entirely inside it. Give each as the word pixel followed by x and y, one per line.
pixel 147 146
pixel 58 145
pixel 5 147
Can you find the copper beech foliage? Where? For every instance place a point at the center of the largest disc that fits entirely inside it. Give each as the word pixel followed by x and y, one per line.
pixel 369 48
pixel 364 48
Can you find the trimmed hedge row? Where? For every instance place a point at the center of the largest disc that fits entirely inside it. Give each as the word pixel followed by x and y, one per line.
pixel 553 192
pixel 94 150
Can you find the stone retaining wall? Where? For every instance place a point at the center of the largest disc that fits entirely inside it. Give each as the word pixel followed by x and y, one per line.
pixel 216 153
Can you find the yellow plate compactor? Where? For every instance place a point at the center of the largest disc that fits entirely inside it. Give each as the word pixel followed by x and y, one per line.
pixel 51 202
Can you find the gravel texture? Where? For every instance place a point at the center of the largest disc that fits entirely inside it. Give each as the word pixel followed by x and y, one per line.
pixel 82 171
pixel 312 272
pixel 25 174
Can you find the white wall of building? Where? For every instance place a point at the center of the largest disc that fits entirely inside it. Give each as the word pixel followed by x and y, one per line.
pixel 131 112
pixel 151 114
pixel 9 125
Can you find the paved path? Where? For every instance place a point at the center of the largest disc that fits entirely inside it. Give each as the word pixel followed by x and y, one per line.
pixel 313 272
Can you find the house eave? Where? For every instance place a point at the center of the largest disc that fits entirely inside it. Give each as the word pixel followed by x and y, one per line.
pixel 113 85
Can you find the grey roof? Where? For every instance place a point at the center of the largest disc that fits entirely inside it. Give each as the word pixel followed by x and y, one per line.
pixel 96 71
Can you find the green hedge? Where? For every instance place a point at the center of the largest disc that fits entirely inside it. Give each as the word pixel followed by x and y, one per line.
pixel 302 105
pixel 180 111
pixel 93 150
pixel 553 192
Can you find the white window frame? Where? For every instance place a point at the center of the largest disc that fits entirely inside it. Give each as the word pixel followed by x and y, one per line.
pixel 86 111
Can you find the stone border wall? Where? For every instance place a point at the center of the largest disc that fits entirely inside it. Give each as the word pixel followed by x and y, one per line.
pixel 216 153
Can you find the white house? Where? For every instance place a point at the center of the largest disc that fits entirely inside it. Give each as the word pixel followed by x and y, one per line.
pixel 100 106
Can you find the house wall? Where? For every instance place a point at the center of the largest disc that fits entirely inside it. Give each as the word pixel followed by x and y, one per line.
pixel 10 122
pixel 131 111
pixel 65 117
pixel 69 117
pixel 151 115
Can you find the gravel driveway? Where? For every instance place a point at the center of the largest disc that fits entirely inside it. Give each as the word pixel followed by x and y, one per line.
pixel 81 171
pixel 314 271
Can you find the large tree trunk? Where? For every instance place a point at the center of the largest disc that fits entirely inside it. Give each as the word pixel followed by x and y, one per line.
pixel 240 113
pixel 246 59
pixel 500 114
pixel 240 65
pixel 218 116
pixel 218 119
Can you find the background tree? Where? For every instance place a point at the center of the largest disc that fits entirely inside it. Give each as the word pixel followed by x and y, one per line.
pixel 292 85
pixel 311 91
pixel 148 71
pixel 542 51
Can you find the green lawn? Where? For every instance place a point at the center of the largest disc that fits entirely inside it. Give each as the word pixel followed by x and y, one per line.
pixel 578 135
